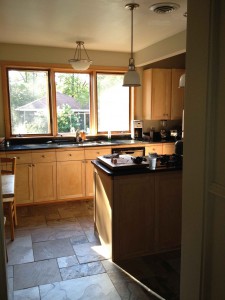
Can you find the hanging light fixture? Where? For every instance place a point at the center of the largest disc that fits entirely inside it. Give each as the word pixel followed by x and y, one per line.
pixel 77 62
pixel 131 78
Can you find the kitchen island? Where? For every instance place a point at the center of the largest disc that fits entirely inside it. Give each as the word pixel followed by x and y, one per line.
pixel 137 210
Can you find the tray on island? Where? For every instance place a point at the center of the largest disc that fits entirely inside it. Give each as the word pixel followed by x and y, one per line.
pixel 122 162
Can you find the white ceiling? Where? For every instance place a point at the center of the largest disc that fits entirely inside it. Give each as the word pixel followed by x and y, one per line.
pixel 101 24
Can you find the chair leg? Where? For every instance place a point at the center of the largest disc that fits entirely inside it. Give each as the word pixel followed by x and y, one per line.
pixel 11 222
pixel 15 214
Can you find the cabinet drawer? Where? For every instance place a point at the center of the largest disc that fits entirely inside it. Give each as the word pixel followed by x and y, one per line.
pixel 21 157
pixel 169 148
pixel 154 148
pixel 38 157
pixel 69 155
pixel 94 152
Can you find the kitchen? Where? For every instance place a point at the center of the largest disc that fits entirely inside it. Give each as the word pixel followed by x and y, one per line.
pixel 22 53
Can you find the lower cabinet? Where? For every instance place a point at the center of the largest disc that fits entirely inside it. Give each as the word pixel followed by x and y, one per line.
pixel 91 154
pixel 168 191
pixel 138 214
pixel 70 174
pixel 24 177
pixel 44 181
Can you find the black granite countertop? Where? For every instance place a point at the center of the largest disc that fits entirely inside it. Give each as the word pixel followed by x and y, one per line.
pixel 130 171
pixel 59 144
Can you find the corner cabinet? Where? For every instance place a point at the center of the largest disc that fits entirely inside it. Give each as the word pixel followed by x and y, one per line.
pixel 162 98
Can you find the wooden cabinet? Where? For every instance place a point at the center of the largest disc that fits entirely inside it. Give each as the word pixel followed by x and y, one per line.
pixel 162 98
pixel 70 174
pixel 133 222
pixel 24 177
pixel 168 191
pixel 91 154
pixel 168 148
pixel 44 176
pixel 154 148
pixel 138 214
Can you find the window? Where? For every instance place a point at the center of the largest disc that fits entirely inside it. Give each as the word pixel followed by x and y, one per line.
pixel 29 102
pixel 72 102
pixel 51 101
pixel 113 103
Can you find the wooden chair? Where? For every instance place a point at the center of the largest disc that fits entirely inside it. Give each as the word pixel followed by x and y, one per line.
pixel 6 254
pixel 8 166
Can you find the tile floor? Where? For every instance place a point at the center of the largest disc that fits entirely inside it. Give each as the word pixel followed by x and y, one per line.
pixel 56 255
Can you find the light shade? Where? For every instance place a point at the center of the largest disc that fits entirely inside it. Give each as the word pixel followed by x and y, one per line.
pixel 131 78
pixel 182 81
pixel 78 63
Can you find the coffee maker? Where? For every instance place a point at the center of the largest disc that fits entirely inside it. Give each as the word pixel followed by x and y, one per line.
pixel 137 129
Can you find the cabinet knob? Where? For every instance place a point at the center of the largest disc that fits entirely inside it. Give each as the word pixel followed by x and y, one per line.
pixel 97 152
pixel 18 157
pixel 33 165
pixel 43 156
pixel 70 154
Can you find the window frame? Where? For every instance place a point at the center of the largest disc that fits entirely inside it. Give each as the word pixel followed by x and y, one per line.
pixel 52 69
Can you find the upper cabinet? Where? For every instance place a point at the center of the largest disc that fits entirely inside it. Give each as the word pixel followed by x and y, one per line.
pixel 162 98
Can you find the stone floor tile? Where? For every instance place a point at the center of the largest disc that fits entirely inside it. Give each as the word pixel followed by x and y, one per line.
pixel 9 271
pixel 62 223
pixel 31 222
pixel 52 249
pixel 126 286
pixel 89 252
pixel 52 233
pixel 36 273
pixel 20 251
pixel 80 239
pixel 10 289
pixel 85 288
pixel 82 270
pixel 27 294
pixel 67 261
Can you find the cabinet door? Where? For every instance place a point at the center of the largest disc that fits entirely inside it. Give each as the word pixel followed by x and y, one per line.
pixel 154 148
pixel 168 148
pixel 157 94
pixel 161 94
pixel 168 201
pixel 70 179
pixel 177 97
pixel 44 181
pixel 89 178
pixel 91 154
pixel 24 188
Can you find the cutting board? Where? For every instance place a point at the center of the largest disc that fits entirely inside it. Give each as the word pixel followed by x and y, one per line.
pixel 122 162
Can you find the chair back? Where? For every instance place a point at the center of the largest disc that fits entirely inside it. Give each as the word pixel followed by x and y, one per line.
pixel 8 165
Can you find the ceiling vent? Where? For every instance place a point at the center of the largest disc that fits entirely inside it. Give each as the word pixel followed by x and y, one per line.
pixel 164 8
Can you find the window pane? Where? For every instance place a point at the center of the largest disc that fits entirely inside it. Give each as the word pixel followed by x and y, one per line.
pixel 113 103
pixel 29 102
pixel 73 102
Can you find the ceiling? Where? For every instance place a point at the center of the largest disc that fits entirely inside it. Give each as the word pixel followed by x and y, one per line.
pixel 101 24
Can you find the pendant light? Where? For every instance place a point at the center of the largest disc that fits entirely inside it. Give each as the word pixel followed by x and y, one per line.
pixel 78 63
pixel 131 78
pixel 182 81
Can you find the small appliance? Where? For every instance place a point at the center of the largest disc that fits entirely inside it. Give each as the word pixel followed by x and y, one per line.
pixel 137 129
